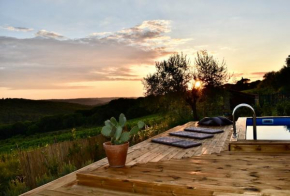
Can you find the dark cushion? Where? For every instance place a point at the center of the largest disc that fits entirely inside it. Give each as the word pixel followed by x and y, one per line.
pixel 215 121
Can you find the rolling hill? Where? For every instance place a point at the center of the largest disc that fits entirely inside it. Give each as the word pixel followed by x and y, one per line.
pixel 15 110
pixel 86 101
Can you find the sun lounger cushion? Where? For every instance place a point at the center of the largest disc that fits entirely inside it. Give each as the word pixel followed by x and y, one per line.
pixel 215 121
pixel 203 130
pixel 194 135
pixel 176 142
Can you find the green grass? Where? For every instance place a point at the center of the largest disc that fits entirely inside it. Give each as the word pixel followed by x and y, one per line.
pixel 43 139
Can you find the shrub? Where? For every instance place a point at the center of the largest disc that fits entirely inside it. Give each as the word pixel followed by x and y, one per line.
pixel 44 179
pixel 9 170
pixel 16 188
pixel 267 110
pixel 283 108
pixel 67 168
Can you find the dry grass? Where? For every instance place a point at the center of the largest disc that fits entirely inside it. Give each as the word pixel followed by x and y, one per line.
pixel 51 159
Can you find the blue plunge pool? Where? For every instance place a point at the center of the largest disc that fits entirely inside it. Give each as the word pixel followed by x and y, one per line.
pixel 269 128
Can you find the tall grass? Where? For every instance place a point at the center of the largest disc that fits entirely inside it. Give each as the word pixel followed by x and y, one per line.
pixel 53 159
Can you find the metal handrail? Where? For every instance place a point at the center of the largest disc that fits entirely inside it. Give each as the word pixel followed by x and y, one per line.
pixel 254 120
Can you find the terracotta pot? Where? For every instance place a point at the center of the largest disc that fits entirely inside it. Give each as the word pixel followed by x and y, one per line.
pixel 116 154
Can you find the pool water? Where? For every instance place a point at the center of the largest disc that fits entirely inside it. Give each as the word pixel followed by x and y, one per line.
pixel 274 132
pixel 269 128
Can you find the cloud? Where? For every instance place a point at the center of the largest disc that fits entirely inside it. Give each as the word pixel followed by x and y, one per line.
pixel 238 74
pixel 259 74
pixel 128 54
pixel 23 29
pixel 101 34
pixel 48 63
pixel 148 35
pixel 252 76
pixel 48 34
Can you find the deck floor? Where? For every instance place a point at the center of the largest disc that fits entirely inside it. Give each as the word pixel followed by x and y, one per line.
pixel 147 151
pixel 227 173
pixel 156 169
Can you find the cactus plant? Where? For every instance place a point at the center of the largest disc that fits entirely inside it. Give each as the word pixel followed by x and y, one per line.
pixel 115 130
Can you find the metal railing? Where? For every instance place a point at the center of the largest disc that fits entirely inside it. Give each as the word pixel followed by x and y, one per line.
pixel 254 120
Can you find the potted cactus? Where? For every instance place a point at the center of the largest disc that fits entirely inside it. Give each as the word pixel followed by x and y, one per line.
pixel 116 149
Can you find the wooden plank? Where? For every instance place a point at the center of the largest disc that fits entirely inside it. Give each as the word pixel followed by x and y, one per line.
pixel 265 142
pixel 154 148
pixel 55 193
pixel 162 155
pixel 91 191
pixel 275 192
pixel 185 173
pixel 215 142
pixel 260 147
pixel 139 186
pixel 222 142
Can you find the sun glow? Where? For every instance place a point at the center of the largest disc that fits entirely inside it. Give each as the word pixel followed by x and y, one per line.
pixel 197 84
pixel 194 84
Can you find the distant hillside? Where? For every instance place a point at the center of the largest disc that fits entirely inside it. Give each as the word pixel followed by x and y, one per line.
pixel 15 110
pixel 132 108
pixel 86 101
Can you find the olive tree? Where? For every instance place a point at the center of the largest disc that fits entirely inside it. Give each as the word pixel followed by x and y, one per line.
pixel 210 71
pixel 172 76
pixel 213 75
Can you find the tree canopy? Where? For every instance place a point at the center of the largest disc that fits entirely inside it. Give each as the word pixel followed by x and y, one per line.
pixel 277 81
pixel 288 61
pixel 172 76
pixel 210 71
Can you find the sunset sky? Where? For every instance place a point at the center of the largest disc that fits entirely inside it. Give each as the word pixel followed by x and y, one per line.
pixel 77 48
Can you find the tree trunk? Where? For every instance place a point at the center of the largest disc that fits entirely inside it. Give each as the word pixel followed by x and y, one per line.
pixel 193 107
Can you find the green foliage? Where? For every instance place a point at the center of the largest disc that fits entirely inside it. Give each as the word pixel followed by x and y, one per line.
pixel 277 81
pixel 141 124
pixel 283 108
pixel 261 91
pixel 44 139
pixel 44 179
pixel 172 76
pixel 178 113
pixel 74 154
pixel 51 164
pixel 114 130
pixel 213 104
pixel 209 71
pixel 134 130
pixel 125 137
pixel 267 110
pixel 9 171
pixel 16 188
pixel 73 133
pixel 67 168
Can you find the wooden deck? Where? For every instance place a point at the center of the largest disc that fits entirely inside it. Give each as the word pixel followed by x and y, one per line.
pixel 216 174
pixel 147 151
pixel 155 169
